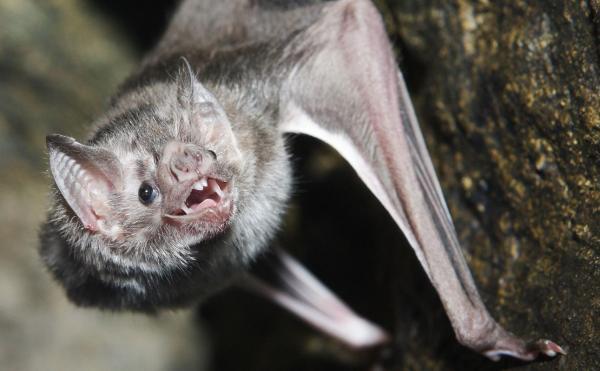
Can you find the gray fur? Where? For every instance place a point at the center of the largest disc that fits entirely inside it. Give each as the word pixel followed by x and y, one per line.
pixel 155 266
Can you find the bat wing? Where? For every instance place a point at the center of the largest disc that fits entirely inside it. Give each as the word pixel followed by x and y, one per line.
pixel 345 89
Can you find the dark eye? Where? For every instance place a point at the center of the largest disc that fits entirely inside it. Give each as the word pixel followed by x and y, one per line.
pixel 147 193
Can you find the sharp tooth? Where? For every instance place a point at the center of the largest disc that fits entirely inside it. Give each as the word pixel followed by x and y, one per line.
pixel 199 185
pixel 204 182
pixel 218 190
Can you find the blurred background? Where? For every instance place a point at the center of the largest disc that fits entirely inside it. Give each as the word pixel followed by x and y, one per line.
pixel 59 62
pixel 520 176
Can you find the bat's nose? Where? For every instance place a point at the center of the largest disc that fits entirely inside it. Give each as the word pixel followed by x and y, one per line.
pixel 187 161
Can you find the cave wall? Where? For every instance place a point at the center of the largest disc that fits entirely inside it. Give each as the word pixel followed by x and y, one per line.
pixel 508 95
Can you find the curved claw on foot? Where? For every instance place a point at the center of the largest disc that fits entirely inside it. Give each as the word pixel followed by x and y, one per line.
pixel 547 347
pixel 529 352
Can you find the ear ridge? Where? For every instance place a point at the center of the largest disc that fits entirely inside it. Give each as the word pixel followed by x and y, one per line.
pixel 85 176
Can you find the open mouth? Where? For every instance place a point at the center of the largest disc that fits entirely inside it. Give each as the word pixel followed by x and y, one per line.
pixel 206 195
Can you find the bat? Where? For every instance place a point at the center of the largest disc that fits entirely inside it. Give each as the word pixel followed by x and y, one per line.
pixel 183 181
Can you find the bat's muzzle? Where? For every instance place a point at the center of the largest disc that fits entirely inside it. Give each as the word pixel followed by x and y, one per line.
pixel 187 161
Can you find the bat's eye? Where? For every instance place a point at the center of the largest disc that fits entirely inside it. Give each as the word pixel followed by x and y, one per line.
pixel 147 193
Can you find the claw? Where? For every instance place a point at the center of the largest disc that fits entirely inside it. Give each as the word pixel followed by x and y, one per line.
pixel 548 348
pixel 529 352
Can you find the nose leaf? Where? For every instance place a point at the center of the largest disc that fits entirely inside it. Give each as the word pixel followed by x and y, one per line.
pixel 188 162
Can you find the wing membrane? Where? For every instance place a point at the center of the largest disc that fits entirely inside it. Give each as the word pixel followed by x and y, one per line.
pixel 348 92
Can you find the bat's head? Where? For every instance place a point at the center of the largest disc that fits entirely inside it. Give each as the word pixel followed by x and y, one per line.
pixel 162 204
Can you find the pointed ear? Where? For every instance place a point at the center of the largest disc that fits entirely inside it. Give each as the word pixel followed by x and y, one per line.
pixel 208 113
pixel 85 176
pixel 185 82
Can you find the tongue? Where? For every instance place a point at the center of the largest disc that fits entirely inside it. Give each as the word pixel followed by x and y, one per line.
pixel 199 199
pixel 207 197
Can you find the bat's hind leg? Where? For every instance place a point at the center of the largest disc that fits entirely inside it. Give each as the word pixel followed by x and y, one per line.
pixel 285 281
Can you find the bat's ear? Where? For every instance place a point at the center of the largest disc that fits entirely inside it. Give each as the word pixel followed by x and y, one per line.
pixel 85 176
pixel 208 118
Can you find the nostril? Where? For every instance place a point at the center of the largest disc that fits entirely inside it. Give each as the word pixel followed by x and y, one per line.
pixel 190 153
pixel 181 166
pixel 188 161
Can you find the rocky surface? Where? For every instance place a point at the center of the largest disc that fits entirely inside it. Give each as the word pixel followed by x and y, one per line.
pixel 508 93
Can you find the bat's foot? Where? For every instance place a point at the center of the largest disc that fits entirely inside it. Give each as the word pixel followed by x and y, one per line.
pixel 517 348
pixel 493 341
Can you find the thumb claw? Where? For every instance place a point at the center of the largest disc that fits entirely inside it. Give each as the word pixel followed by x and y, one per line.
pixel 529 352
pixel 547 347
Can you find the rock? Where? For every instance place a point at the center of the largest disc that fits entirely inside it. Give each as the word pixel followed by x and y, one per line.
pixel 508 94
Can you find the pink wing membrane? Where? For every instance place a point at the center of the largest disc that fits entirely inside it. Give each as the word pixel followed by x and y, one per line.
pixel 378 134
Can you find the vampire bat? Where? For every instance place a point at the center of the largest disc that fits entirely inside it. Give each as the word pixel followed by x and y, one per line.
pixel 184 179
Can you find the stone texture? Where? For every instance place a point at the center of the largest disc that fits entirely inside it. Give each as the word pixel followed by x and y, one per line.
pixel 508 94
